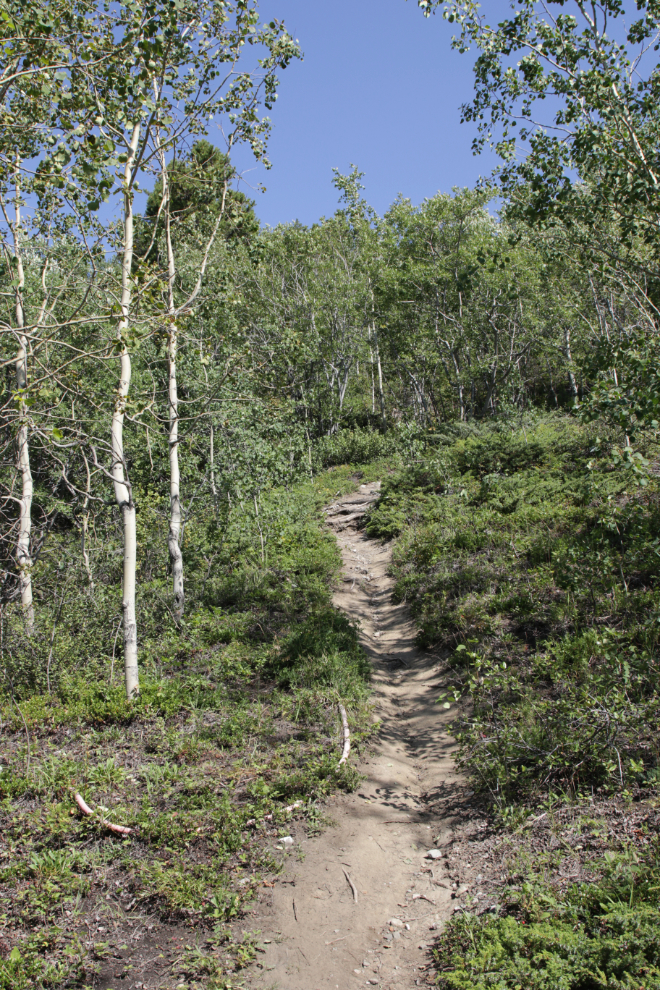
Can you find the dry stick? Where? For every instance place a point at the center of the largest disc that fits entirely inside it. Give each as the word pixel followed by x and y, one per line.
pixel 86 810
pixel 347 735
pixel 352 886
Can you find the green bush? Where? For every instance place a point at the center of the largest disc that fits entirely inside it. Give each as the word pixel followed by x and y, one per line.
pixel 353 447
pixel 324 651
pixel 602 935
pixel 535 559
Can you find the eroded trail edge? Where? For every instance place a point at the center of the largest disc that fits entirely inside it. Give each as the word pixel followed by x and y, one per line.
pixel 357 905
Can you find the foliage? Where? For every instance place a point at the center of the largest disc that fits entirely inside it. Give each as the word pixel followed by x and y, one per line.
pixel 237 720
pixel 603 934
pixel 532 565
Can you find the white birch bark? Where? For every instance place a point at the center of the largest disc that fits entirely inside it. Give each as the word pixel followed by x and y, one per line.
pixel 84 529
pixel 212 457
pixel 23 549
pixel 569 365
pixel 381 395
pixel 175 527
pixel 123 493
pixel 174 534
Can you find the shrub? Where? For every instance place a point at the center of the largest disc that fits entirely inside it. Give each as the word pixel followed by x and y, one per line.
pixel 601 935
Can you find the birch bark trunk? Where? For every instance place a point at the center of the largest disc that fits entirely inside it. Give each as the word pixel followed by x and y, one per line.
pixel 569 364
pixel 176 521
pixel 122 487
pixel 84 529
pixel 23 548
pixel 381 396
pixel 174 535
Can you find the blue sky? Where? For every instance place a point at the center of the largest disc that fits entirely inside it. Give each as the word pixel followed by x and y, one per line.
pixel 379 86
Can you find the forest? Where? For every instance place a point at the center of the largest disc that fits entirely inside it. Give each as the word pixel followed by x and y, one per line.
pixel 185 389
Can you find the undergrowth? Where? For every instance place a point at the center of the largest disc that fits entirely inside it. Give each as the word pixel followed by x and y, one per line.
pixel 529 558
pixel 603 934
pixel 530 563
pixel 236 733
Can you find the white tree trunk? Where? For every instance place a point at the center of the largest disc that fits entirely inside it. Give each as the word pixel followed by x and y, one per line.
pixel 174 535
pixel 212 457
pixel 176 557
pixel 23 550
pixel 569 364
pixel 381 396
pixel 84 529
pixel 123 493
pixel 23 553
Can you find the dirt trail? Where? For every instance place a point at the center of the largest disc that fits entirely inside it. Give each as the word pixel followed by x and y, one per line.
pixel 320 936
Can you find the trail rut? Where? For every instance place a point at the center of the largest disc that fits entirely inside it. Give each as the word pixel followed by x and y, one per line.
pixel 329 916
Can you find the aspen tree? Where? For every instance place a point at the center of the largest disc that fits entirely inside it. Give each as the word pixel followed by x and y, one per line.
pixel 23 551
pixel 122 487
pixel 34 49
pixel 175 524
pixel 165 86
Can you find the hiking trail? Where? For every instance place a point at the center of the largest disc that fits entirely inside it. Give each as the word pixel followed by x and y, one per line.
pixel 355 905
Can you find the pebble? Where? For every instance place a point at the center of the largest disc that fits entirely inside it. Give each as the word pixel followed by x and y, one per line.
pixel 395 923
pixel 287 841
pixel 434 854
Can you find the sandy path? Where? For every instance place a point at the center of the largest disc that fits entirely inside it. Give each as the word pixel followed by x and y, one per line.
pixel 320 937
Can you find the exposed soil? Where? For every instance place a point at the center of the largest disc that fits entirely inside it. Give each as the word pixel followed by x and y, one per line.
pixel 357 905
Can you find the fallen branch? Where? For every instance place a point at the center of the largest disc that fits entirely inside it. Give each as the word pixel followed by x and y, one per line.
pixel 347 736
pixel 86 810
pixel 352 886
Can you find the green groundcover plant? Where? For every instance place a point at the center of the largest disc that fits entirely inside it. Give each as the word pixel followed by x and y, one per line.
pixel 605 934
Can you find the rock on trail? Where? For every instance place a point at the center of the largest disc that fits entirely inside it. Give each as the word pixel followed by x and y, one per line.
pixel 358 908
